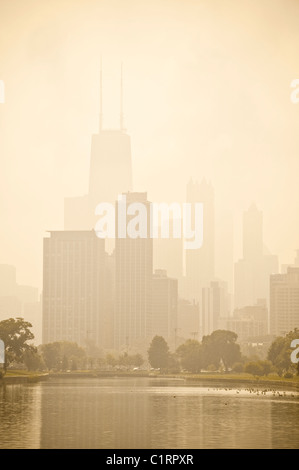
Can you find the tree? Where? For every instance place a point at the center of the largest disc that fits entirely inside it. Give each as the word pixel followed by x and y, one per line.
pixel 33 360
pixel 158 353
pixel 258 367
pixel 51 354
pixel 136 360
pixel 190 354
pixel 110 360
pixel 54 354
pixel 64 363
pixel 15 333
pixel 219 347
pixel 253 368
pixel 280 352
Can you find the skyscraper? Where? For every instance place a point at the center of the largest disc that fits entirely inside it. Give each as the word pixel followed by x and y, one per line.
pixel 164 305
pixel 252 272
pixel 284 301
pixel 214 305
pixel 110 172
pixel 200 263
pixel 74 290
pixel 133 279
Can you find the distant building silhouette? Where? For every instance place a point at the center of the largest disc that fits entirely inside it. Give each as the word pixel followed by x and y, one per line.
pixel 215 303
pixel 133 281
pixel 110 174
pixel 168 252
pixel 284 301
pixel 248 322
pixel 19 301
pixel 188 319
pixel 164 305
pixel 74 288
pixel 252 272
pixel 200 263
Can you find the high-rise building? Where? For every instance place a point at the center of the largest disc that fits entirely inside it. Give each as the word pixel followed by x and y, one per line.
pixel 224 247
pixel 200 263
pixel 188 319
pixel 19 301
pixel 168 252
pixel 252 272
pixel 74 288
pixel 110 173
pixel 133 277
pixel 164 305
pixel 284 302
pixel 215 303
pixel 248 322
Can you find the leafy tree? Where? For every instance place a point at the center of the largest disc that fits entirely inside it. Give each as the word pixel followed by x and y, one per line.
pixel 51 355
pixel 54 354
pixel 253 368
pixel 238 367
pixel 280 353
pixel 110 360
pixel 69 349
pixel 64 363
pixel 33 360
pixel 74 364
pixel 137 360
pixel 219 347
pixel 173 364
pixel 190 354
pixel 158 353
pixel 258 367
pixel 15 333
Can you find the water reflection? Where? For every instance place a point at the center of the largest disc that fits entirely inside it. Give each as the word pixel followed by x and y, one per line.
pixel 143 413
pixel 20 417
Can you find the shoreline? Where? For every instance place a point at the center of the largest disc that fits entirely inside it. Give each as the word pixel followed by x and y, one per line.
pixel 221 379
pixel 23 378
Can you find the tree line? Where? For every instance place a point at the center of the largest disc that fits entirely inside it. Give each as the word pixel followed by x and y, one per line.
pixel 217 351
pixel 220 351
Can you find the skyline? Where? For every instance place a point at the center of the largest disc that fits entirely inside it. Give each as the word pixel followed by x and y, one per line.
pixel 198 105
pixel 149 251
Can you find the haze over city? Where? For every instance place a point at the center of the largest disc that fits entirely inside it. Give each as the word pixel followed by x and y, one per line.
pixel 149 251
pixel 206 94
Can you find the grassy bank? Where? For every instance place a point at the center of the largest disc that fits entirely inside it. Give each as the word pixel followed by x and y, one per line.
pixel 243 379
pixel 23 376
pixel 221 379
pixel 237 379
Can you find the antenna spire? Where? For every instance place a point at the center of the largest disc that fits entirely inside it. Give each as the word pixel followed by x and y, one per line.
pixel 101 97
pixel 121 98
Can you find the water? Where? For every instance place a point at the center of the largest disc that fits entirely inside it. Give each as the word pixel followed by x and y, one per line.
pixel 144 413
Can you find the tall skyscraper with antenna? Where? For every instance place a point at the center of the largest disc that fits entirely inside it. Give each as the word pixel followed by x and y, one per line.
pixel 110 170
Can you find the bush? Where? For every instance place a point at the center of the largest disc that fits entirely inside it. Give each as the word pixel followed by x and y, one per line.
pixel 258 368
pixel 253 368
pixel 238 367
pixel 288 375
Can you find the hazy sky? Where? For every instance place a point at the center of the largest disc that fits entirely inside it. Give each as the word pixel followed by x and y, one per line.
pixel 207 93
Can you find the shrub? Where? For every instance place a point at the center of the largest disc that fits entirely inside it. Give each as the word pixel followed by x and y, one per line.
pixel 288 375
pixel 238 367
